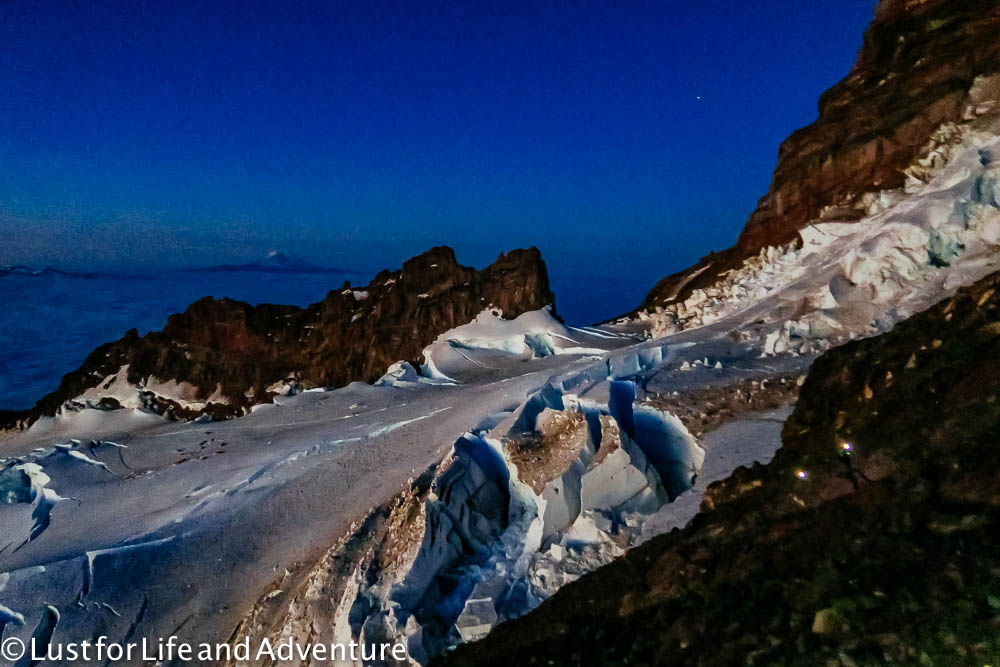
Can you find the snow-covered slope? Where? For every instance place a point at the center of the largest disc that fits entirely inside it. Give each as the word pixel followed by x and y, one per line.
pixel 439 501
pixel 923 64
pixel 532 335
pixel 522 454
pixel 122 510
pixel 526 501
pixel 221 357
pixel 850 278
pixel 531 447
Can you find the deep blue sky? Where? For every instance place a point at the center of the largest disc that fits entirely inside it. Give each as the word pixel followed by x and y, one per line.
pixel 154 134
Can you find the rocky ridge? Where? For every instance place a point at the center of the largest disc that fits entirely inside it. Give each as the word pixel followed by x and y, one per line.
pixel 221 357
pixel 924 65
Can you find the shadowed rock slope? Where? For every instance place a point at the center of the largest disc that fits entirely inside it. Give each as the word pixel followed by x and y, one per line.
pixel 224 356
pixel 923 64
pixel 873 537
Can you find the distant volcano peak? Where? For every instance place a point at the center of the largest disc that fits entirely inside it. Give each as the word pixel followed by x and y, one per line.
pixel 277 261
pixel 278 258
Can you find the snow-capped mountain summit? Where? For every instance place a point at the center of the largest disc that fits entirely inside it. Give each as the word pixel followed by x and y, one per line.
pixel 276 261
pixel 281 260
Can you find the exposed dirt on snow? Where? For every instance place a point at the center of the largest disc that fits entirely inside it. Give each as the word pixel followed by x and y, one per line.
pixel 706 409
pixel 542 456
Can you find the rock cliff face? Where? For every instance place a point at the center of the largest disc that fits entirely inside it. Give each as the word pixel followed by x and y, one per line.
pixel 923 64
pixel 221 357
pixel 873 537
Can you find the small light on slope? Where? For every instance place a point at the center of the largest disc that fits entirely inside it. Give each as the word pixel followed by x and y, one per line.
pixel 847 447
pixel 802 474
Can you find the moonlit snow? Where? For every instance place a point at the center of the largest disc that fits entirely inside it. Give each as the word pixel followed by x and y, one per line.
pixel 126 524
pixel 914 247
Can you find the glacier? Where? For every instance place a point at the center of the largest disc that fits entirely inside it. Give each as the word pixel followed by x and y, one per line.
pixel 446 498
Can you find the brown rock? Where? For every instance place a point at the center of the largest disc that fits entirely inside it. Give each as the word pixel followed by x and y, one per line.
pixel 828 622
pixel 240 350
pixel 917 70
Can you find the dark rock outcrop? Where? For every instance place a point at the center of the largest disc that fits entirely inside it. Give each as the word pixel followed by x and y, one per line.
pixel 873 537
pixel 923 63
pixel 232 351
